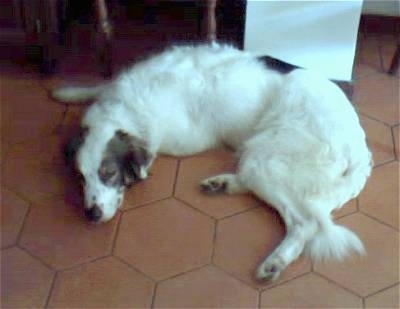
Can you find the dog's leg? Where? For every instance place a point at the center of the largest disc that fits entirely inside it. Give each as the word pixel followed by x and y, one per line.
pixel 224 183
pixel 288 251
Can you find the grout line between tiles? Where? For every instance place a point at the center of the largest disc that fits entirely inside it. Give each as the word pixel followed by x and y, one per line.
pixel 185 272
pixel 117 228
pixel 214 242
pixel 36 257
pixel 17 194
pixel 287 281
pixel 381 290
pixel 379 221
pixel 243 211
pixel 194 208
pixel 178 165
pixel 394 141
pixel 337 284
pixel 256 288
pixel 134 268
pixel 360 112
pixel 97 258
pixel 53 282
pixel 28 211
pixel 146 204
pixel 346 215
pixel 153 298
pixel 384 163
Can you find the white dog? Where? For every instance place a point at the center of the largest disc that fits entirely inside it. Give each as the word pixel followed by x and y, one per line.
pixel 300 146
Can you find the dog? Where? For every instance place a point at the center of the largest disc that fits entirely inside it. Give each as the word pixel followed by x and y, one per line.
pixel 298 140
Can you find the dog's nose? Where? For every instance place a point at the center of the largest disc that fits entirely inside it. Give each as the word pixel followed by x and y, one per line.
pixel 93 214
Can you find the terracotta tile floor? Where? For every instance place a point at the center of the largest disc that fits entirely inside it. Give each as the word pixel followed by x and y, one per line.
pixel 170 245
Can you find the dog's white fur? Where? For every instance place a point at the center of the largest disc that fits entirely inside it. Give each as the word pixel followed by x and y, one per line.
pixel 298 139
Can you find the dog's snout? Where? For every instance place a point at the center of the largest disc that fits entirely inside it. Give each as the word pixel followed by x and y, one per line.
pixel 94 213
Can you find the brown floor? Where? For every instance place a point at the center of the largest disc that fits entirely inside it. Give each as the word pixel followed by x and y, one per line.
pixel 170 245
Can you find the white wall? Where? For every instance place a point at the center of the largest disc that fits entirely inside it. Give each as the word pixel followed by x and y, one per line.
pixel 317 35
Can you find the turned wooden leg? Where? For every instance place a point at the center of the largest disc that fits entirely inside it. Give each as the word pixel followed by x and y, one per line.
pixel 105 31
pixel 211 21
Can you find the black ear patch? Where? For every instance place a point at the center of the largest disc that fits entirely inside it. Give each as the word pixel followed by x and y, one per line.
pixel 131 168
pixel 72 146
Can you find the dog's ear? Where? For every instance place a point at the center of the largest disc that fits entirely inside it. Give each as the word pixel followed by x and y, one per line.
pixel 135 164
pixel 72 146
pixel 136 159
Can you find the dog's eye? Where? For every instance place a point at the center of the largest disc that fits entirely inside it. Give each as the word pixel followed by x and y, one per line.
pixel 108 174
pixel 107 170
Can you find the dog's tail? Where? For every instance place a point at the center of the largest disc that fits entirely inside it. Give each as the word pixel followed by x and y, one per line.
pixel 333 241
pixel 77 94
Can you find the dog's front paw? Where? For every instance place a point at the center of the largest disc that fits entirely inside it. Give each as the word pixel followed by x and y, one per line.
pixel 213 185
pixel 269 270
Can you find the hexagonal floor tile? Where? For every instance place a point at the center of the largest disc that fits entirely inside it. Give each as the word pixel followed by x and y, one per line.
pixel 379 139
pixel 370 273
pixel 165 238
pixel 25 97
pixel 244 240
pixel 159 184
pixel 309 291
pixel 192 170
pixel 25 282
pixel 380 197
pixel 207 287
pixel 13 212
pixel 382 104
pixel 58 234
pixel 388 298
pixel 33 169
pixel 104 283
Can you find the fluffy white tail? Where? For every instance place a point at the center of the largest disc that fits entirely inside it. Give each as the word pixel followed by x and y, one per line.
pixel 77 94
pixel 333 242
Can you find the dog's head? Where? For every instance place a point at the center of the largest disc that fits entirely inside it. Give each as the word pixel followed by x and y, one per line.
pixel 107 169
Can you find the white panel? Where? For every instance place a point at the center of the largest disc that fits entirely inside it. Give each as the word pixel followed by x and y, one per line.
pixel 318 35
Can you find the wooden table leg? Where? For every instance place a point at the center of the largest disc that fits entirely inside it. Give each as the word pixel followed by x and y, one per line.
pixel 211 20
pixel 106 32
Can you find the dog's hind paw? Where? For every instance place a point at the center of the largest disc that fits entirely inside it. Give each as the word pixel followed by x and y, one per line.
pixel 213 185
pixel 269 270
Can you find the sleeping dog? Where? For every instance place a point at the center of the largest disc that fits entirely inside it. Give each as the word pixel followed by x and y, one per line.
pixel 299 142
